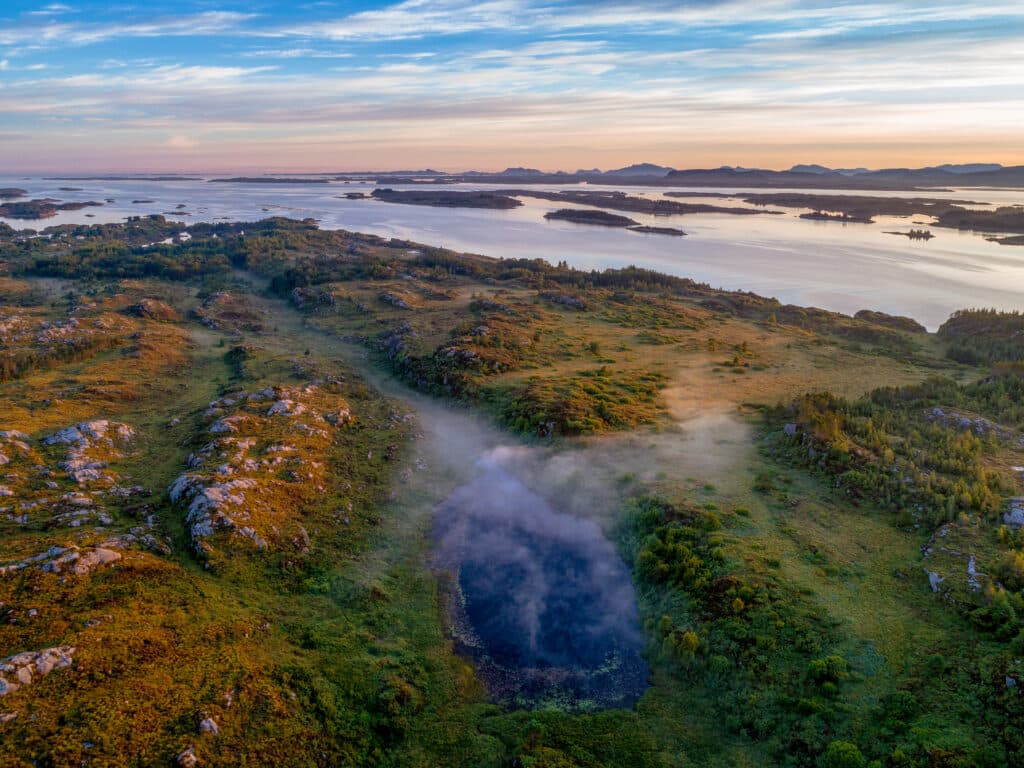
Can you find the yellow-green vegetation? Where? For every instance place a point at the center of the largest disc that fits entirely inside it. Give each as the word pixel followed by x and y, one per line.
pixel 126 648
pixel 943 462
pixel 204 552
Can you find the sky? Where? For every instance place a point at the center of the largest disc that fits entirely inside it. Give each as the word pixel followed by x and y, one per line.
pixel 204 85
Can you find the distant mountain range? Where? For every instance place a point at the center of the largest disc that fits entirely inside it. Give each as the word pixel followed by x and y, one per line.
pixel 805 176
pixel 641 169
pixel 967 175
pixel 948 168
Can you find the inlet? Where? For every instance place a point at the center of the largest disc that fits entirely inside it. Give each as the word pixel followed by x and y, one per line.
pixel 539 599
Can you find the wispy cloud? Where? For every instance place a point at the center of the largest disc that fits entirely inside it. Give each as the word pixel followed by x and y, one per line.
pixel 181 142
pixel 295 53
pixel 52 10
pixel 181 78
pixel 538 75
pixel 85 33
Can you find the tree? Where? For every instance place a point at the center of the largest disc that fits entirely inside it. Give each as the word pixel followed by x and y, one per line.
pixel 842 754
pixel 689 643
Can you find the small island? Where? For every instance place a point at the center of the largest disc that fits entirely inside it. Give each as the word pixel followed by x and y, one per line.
pixel 40 209
pixel 267 180
pixel 620 201
pixel 1013 240
pixel 1008 219
pixel 142 202
pixel 646 230
pixel 915 234
pixel 588 216
pixel 122 178
pixel 840 216
pixel 446 199
pixel 9 193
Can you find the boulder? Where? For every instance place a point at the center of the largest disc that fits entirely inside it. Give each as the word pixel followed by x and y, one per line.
pixel 155 310
pixel 1015 516
pixel 22 668
pixel 286 408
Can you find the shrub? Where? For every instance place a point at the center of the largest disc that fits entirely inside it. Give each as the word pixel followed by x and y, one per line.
pixel 842 754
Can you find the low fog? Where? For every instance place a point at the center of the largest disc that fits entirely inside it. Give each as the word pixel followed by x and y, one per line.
pixel 540 597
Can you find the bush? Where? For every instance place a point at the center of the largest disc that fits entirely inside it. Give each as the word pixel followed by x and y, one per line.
pixel 842 754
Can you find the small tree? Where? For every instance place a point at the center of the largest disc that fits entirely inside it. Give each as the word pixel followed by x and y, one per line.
pixel 689 643
pixel 842 754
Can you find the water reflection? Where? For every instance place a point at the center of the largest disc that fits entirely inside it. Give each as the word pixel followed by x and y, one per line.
pixel 838 266
pixel 541 600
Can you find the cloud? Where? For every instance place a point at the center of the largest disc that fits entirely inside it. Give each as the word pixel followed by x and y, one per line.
pixel 417 19
pixel 64 33
pixel 175 76
pixel 296 53
pixel 534 73
pixel 181 142
pixel 424 18
pixel 52 10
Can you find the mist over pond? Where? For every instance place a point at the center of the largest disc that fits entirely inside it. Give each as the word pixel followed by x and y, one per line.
pixel 540 599
pixel 844 267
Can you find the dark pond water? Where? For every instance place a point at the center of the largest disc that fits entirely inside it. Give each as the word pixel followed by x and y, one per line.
pixel 540 599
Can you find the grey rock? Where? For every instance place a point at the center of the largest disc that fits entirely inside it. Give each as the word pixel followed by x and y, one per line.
pixel 188 758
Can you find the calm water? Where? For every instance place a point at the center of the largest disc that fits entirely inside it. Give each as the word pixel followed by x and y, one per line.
pixel 545 605
pixel 837 266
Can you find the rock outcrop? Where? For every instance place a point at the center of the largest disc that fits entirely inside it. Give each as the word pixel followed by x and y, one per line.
pixel 1014 516
pixel 69 559
pixel 235 489
pixel 23 669
pixel 91 447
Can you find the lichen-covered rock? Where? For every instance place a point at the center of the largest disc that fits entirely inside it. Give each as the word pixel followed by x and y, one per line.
pixel 395 300
pixel 286 408
pixel 25 668
pixel 225 425
pixel 69 559
pixel 573 302
pixel 232 488
pixel 188 758
pixel 1014 517
pixel 155 310
pixel 91 446
pixel 979 425
pixel 82 562
pixel 211 504
pixel 52 552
